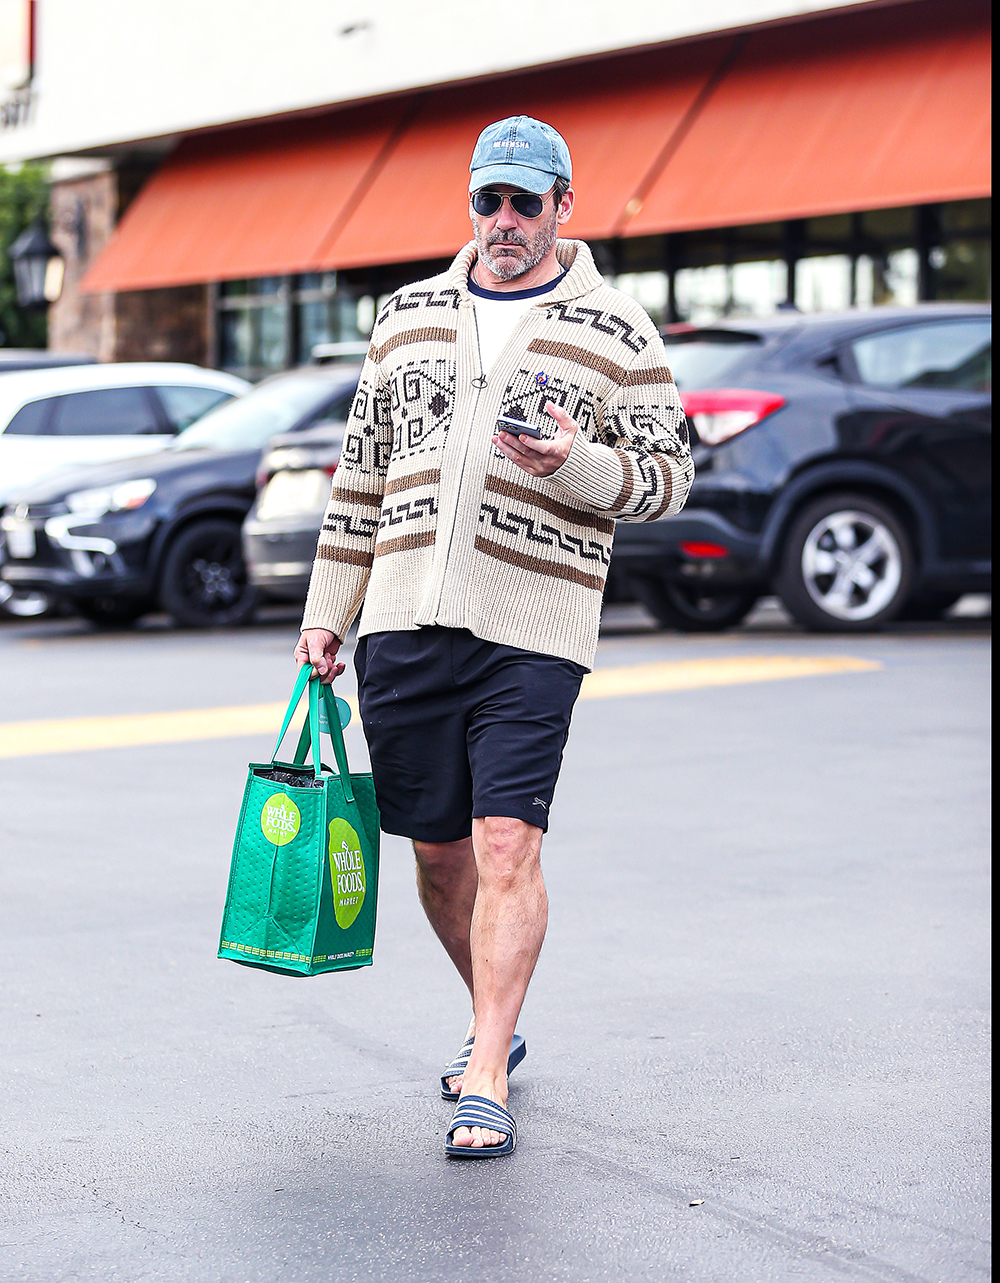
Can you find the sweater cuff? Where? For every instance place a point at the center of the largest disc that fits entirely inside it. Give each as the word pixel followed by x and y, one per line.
pixel 591 473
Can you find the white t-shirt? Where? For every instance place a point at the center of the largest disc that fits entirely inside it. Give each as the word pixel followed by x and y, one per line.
pixel 498 312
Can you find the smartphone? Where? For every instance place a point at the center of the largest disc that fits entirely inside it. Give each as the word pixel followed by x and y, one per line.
pixel 517 428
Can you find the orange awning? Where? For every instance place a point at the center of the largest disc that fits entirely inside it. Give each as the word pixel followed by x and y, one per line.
pixel 615 117
pixel 852 111
pixel 258 201
pixel 858 111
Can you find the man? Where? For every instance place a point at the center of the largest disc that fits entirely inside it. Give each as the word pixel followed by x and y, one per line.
pixel 480 549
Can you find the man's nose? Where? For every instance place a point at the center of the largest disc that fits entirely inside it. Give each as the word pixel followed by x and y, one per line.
pixel 506 218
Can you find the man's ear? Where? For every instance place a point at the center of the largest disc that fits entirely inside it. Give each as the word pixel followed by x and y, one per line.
pixel 566 206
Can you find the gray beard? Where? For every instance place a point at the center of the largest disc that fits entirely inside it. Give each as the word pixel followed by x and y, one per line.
pixel 508 267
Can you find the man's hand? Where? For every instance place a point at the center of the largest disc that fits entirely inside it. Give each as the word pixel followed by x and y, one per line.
pixel 318 646
pixel 540 458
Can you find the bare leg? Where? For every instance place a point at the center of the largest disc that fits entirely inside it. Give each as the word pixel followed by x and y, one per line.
pixel 446 883
pixel 508 927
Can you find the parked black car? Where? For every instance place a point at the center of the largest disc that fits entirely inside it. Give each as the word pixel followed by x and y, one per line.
pixel 281 529
pixel 117 540
pixel 843 462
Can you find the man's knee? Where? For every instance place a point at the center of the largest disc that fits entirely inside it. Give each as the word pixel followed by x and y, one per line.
pixel 506 849
pixel 440 861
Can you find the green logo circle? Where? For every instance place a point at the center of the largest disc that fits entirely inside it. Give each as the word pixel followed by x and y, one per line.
pixel 347 872
pixel 280 819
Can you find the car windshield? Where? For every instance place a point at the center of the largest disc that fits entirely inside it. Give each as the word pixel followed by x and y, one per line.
pixel 248 422
pixel 701 358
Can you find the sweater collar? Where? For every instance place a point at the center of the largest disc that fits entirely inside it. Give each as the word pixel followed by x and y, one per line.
pixel 581 276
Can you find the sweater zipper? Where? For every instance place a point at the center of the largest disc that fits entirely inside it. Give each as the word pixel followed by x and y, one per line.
pixel 479 382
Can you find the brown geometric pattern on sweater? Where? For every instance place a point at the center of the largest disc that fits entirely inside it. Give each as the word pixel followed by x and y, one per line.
pixel 500 519
pixel 537 499
pixel 368 438
pixel 408 510
pixel 650 427
pixel 404 543
pixel 605 322
pixel 347 556
pixel 539 565
pixel 429 477
pixel 579 356
pixel 428 334
pixel 421 400
pixel 349 522
pixel 524 399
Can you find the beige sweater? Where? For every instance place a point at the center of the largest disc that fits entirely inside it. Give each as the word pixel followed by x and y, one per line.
pixel 428 523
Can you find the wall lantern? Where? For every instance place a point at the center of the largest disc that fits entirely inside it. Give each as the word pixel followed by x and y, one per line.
pixel 38 268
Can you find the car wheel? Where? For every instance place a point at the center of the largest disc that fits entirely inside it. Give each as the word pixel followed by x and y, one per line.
pixel 691 609
pixel 846 566
pixel 112 612
pixel 204 581
pixel 23 605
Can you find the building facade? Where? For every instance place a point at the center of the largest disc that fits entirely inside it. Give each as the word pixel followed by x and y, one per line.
pixel 758 156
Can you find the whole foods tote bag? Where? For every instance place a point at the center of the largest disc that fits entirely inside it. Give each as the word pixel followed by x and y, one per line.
pixel 304 875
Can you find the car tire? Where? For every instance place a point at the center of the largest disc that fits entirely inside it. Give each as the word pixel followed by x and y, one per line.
pixel 112 612
pixel 204 581
pixel 846 565
pixel 691 609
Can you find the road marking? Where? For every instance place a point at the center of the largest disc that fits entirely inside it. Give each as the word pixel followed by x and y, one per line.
pixel 692 674
pixel 75 734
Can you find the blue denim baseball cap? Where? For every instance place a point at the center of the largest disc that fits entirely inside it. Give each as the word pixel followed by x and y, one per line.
pixel 521 152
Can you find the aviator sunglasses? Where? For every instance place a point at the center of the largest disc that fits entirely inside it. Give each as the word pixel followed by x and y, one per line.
pixel 524 204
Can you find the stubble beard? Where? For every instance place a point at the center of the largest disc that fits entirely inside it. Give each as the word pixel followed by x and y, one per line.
pixel 508 266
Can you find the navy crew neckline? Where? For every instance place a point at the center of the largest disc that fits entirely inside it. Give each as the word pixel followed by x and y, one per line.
pixel 511 295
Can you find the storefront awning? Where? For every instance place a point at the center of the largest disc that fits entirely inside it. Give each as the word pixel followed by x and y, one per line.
pixel 854 111
pixel 615 119
pixel 258 201
pixel 862 111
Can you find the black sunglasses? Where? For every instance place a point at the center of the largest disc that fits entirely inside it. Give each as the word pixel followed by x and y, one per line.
pixel 524 204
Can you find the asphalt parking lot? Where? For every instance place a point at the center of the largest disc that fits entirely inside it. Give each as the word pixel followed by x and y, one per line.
pixel 757 1035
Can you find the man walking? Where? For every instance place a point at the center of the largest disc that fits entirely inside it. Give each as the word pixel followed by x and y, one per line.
pixel 508 411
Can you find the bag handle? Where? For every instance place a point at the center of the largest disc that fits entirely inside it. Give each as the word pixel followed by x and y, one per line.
pixel 310 734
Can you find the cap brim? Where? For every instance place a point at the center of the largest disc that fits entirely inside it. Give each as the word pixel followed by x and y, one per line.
pixel 529 180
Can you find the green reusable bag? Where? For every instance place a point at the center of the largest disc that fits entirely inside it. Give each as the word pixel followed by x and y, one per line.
pixel 304 876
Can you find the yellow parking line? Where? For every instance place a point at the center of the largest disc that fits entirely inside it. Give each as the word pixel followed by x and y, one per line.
pixel 690 674
pixel 73 734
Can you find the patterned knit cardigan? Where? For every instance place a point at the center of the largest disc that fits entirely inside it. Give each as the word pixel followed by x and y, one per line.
pixel 429 523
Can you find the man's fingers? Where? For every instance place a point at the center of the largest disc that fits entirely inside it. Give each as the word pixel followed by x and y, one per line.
pixel 561 417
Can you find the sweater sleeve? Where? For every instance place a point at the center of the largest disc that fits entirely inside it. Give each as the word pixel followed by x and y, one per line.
pixel 346 546
pixel 645 470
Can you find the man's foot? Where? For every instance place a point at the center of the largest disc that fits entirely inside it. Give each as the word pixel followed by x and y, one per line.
pixel 483 1087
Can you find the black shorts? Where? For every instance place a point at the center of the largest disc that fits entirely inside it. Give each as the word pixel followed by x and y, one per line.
pixel 460 728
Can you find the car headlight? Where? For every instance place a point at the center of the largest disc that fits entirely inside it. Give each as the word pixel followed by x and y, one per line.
pixel 124 497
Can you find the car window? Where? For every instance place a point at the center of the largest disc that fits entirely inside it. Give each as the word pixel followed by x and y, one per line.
pixel 31 420
pixel 104 412
pixel 703 357
pixel 954 355
pixel 248 422
pixel 337 411
pixel 183 404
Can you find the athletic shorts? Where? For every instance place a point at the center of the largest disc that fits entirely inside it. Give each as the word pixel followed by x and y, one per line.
pixel 460 728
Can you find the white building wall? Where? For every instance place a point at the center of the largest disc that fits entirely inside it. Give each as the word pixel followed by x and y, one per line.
pixel 111 72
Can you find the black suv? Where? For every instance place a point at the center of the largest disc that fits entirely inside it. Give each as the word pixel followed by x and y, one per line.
pixel 116 540
pixel 842 461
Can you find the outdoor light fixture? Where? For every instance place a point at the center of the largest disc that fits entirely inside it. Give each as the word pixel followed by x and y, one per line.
pixel 38 268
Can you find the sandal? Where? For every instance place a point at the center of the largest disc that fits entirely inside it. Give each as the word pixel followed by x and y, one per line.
pixel 480 1111
pixel 518 1051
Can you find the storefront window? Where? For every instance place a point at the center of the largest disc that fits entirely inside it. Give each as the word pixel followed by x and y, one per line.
pixel 823 284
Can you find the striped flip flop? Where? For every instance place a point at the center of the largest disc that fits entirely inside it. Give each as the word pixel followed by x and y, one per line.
pixel 480 1111
pixel 518 1051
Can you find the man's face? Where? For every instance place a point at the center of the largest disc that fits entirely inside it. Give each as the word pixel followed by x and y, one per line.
pixel 510 245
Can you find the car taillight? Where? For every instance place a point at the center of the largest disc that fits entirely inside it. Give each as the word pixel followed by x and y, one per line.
pixel 330 469
pixel 721 413
pixel 263 477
